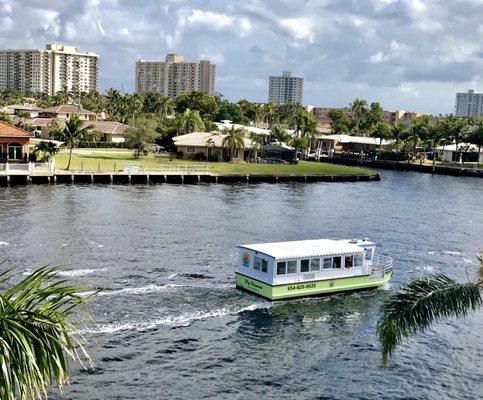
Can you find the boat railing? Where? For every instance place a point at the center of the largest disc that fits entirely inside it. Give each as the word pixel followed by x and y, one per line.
pixel 381 263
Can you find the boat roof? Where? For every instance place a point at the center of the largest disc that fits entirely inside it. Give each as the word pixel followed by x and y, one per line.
pixel 307 248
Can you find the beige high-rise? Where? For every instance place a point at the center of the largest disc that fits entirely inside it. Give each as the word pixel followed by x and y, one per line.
pixel 174 76
pixel 49 71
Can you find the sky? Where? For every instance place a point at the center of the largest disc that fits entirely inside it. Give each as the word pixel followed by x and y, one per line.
pixel 406 54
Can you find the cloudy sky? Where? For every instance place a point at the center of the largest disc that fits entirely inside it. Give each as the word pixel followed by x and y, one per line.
pixel 411 54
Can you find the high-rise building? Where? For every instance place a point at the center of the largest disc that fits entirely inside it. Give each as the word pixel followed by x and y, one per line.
pixel 49 71
pixel 285 88
pixel 174 76
pixel 469 104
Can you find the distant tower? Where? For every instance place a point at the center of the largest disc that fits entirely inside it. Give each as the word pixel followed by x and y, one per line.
pixel 469 104
pixel 285 88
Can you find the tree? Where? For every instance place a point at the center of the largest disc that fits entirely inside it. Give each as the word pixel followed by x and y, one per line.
pixel 189 121
pixel 234 140
pixel 434 134
pixel 475 137
pixel 268 114
pixel 210 144
pixel 231 112
pixel 423 302
pixel 340 123
pixel 375 115
pixel 202 102
pixel 398 131
pixel 416 133
pixel 22 118
pixel 280 134
pixel 299 144
pixel 36 340
pixel 359 109
pixel 43 150
pixel 382 131
pixel 74 131
pixel 140 134
pixel 255 144
pixel 455 128
pixel 5 118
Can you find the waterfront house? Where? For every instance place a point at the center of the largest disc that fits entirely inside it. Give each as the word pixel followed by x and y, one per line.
pixel 209 145
pixel 349 144
pixel 14 143
pixel 110 131
pixel 466 153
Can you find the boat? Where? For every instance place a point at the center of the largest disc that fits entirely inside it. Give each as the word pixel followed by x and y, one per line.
pixel 286 270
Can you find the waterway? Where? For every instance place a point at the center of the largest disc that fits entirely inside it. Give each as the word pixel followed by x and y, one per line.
pixel 169 323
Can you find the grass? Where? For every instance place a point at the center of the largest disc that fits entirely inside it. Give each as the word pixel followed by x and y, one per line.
pixel 109 160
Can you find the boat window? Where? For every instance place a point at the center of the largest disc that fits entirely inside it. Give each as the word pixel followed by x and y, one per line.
pixel 358 260
pixel 291 267
pixel 327 263
pixel 281 268
pixel 337 261
pixel 257 263
pixel 368 254
pixel 348 262
pixel 304 266
pixel 264 265
pixel 315 264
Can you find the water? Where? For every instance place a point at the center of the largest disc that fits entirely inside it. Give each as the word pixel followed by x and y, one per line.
pixel 170 324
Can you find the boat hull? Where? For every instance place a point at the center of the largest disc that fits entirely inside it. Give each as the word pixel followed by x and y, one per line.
pixel 309 288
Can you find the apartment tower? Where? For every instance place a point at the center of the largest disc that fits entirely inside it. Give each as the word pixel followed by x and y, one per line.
pixel 469 104
pixel 285 88
pixel 174 76
pixel 49 71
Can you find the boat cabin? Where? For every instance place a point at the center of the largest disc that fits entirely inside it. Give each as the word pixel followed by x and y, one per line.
pixel 288 263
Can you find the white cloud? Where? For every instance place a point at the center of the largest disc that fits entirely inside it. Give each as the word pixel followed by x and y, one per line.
pixel 101 29
pixel 300 28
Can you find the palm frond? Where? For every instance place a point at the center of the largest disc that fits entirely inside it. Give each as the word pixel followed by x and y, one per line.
pixel 35 339
pixel 421 303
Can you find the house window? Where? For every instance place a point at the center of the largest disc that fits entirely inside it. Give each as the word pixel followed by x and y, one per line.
pixel 348 262
pixel 327 263
pixel 281 268
pixel 291 267
pixel 190 149
pixel 304 266
pixel 257 263
pixel 368 254
pixel 315 265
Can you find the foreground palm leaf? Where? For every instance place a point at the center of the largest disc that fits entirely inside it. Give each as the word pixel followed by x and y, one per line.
pixel 35 339
pixel 421 303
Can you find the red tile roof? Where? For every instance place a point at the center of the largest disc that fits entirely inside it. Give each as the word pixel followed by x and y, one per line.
pixel 10 130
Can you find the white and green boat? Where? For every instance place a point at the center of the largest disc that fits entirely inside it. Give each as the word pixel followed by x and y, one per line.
pixel 285 270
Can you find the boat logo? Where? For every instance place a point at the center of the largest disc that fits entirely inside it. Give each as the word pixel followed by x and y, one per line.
pixel 246 259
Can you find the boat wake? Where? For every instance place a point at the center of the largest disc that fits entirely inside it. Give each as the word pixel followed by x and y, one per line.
pixel 173 321
pixel 159 288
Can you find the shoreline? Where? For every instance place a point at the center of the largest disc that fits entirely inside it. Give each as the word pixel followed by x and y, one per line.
pixel 159 178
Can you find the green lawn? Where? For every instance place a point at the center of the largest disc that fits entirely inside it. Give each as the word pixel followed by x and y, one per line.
pixel 108 160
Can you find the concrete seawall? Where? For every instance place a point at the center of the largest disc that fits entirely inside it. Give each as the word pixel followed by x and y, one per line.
pixel 153 178
pixel 404 166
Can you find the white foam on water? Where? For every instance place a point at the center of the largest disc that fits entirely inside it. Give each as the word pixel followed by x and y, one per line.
pixel 469 261
pixel 173 275
pixel 159 288
pixel 178 321
pixel 431 252
pixel 76 272
pixel 453 253
pixel 4 243
pixel 100 246
pixel 426 268
pixel 387 286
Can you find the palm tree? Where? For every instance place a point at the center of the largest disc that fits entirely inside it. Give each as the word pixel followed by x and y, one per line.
pixel 44 150
pixel 256 143
pixel 382 131
pixel 258 110
pixel 434 136
pixel 416 133
pixel 210 144
pixel 234 140
pixel 166 106
pixel 269 114
pixel 280 134
pixel 397 131
pixel 455 128
pixel 423 302
pixel 36 340
pixel 359 108
pixel 74 132
pixel 189 121
pixel 475 137
pixel 299 144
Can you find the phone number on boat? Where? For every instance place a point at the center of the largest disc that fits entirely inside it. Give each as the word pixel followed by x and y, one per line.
pixel 301 287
